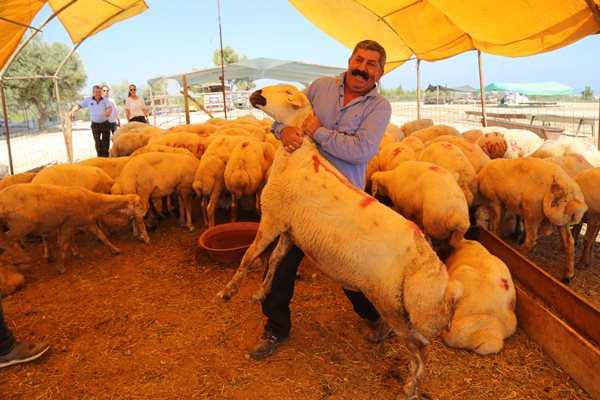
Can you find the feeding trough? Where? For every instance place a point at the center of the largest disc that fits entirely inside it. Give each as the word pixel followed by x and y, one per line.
pixel 227 243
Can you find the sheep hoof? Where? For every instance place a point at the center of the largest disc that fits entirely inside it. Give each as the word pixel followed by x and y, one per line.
pixel 116 252
pixel 258 298
pixel 221 297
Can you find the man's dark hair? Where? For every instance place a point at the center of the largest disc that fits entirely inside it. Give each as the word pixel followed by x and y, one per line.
pixel 374 46
pixel 96 87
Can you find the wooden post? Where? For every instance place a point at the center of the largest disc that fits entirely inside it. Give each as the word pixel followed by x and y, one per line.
pixel 418 89
pixel 481 89
pixel 6 129
pixel 152 104
pixel 186 104
pixel 67 133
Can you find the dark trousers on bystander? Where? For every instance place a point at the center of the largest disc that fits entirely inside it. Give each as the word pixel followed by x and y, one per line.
pixel 276 307
pixel 7 339
pixel 101 133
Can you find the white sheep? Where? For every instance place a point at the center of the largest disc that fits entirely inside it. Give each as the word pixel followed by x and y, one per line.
pixel 111 165
pixel 409 127
pixel 428 195
pixel 473 152
pixel 159 148
pixel 41 209
pixel 197 144
pixel 23 177
pixel 393 154
pixel 246 172
pixel 508 143
pixel 85 176
pixel 485 316
pixel 128 142
pixel 588 182
pixel 430 133
pixel 129 126
pixel 200 129
pixel 155 175
pixel 394 131
pixel 452 158
pixel 209 182
pixel 537 190
pixel 307 202
pixel 414 142
pixel 572 165
pixel 568 147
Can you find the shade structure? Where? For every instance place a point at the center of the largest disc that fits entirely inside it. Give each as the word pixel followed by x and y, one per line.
pixel 81 18
pixel 258 68
pixel 433 30
pixel 535 89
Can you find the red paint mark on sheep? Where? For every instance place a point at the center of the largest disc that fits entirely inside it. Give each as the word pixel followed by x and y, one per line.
pixel 397 151
pixel 504 284
pixel 447 145
pixel 415 228
pixel 365 202
pixel 514 145
pixel 435 168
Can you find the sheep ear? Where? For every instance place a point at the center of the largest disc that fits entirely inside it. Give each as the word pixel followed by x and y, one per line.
pixel 296 100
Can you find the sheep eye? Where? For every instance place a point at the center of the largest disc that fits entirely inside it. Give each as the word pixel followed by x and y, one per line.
pixel 288 91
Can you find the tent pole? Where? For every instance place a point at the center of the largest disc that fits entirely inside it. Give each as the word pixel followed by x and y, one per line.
pixel 222 63
pixel 186 104
pixel 481 89
pixel 598 127
pixel 6 130
pixel 418 89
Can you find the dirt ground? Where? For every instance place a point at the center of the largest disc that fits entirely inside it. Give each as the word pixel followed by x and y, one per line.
pixel 143 325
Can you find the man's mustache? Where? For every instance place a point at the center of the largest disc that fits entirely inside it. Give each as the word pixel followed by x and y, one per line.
pixel 358 72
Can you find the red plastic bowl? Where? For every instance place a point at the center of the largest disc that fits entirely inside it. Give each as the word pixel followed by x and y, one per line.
pixel 227 243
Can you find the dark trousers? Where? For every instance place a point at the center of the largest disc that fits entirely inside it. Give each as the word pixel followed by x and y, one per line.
pixel 276 307
pixel 113 127
pixel 7 340
pixel 140 118
pixel 101 133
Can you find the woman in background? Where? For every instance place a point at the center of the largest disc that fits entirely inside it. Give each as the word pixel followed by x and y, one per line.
pixel 135 106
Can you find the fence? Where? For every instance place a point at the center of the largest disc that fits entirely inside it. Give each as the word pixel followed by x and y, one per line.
pixel 31 149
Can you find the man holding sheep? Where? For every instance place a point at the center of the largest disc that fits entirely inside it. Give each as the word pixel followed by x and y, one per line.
pixel 349 122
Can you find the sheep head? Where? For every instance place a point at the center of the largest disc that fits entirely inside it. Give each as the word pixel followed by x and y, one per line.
pixel 284 103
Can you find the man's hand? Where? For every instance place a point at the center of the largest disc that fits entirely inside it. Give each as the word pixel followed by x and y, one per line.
pixel 291 138
pixel 310 125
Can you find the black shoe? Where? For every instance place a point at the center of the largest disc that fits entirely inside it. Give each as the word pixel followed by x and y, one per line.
pixel 22 353
pixel 266 345
pixel 380 331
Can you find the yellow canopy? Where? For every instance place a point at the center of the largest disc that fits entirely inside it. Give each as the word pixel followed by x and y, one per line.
pixel 81 18
pixel 434 30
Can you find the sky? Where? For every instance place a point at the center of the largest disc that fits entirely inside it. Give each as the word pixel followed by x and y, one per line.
pixel 177 36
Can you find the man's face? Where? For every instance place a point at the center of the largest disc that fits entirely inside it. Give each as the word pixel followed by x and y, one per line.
pixel 97 92
pixel 364 70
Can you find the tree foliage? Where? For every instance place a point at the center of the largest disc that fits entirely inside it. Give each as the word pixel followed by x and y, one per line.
pixel 42 59
pixel 230 56
pixel 587 94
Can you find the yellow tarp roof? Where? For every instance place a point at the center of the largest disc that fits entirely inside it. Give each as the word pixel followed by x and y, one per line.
pixel 434 30
pixel 81 18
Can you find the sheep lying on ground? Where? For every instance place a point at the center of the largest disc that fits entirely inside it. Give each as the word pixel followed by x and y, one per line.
pixel 246 173
pixel 569 147
pixel 537 190
pixel 428 195
pixel 307 202
pixel 588 182
pixel 40 209
pixel 23 177
pixel 155 175
pixel 485 316
pixel 112 166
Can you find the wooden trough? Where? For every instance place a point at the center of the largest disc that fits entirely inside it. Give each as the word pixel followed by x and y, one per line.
pixel 565 325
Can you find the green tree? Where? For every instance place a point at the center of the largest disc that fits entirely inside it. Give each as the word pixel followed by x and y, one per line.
pixel 42 59
pixel 587 94
pixel 230 56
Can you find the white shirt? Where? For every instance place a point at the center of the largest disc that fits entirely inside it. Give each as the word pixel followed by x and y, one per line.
pixel 135 107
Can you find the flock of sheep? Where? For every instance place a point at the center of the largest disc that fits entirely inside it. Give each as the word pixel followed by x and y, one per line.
pixel 434 175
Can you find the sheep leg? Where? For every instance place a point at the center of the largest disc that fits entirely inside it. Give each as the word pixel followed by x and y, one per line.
pixel 283 247
pixel 204 206
pixel 417 346
pixel 495 210
pixel 591 232
pixel 47 254
pixel 265 236
pixel 569 247
pixel 234 204
pixel 94 230
pixel 65 235
pixel 186 208
pixel 531 225
pixel 212 204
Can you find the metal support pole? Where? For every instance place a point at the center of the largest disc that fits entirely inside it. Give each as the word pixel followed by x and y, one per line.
pixel 482 89
pixel 186 104
pixel 418 89
pixel 6 129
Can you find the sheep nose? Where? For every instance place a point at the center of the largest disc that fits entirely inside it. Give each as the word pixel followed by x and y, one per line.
pixel 256 99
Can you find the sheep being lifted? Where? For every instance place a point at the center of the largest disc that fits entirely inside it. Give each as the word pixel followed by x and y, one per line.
pixel 309 203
